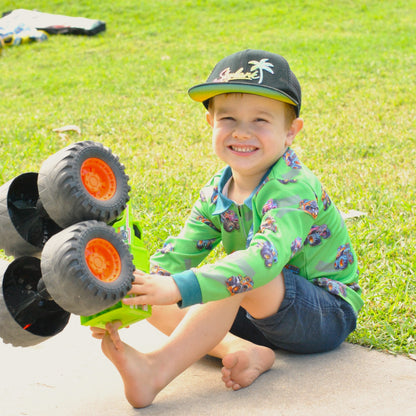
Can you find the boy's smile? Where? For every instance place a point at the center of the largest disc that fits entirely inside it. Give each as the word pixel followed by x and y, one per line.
pixel 250 133
pixel 243 149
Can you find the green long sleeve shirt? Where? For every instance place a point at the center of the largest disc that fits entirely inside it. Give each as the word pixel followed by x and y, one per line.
pixel 288 221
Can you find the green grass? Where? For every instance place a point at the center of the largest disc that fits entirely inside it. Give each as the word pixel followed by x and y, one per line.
pixel 127 88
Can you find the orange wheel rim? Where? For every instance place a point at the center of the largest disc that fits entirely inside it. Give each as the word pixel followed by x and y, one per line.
pixel 98 179
pixel 103 260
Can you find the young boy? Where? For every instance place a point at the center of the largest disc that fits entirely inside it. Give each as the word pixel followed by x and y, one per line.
pixel 289 279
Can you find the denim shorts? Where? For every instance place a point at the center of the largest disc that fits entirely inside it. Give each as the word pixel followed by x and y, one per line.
pixel 309 320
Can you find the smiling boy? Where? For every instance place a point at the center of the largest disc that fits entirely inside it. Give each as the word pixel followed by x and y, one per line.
pixel 250 134
pixel 277 287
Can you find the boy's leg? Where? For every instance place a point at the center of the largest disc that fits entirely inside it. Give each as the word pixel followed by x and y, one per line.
pixel 145 375
pixel 242 359
pixel 199 332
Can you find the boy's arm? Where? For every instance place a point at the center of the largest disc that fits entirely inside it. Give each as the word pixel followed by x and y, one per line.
pixel 280 226
pixel 200 235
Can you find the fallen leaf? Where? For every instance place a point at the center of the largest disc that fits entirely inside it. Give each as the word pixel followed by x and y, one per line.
pixel 71 127
pixel 352 213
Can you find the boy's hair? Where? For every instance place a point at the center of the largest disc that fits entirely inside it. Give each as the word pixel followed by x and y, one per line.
pixel 252 72
pixel 289 109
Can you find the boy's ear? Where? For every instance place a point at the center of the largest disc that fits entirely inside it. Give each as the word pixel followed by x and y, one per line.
pixel 294 129
pixel 209 118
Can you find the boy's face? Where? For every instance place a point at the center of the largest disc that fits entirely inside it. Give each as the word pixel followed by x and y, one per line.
pixel 250 132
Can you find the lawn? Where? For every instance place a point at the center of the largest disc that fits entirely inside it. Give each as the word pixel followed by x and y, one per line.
pixel 127 88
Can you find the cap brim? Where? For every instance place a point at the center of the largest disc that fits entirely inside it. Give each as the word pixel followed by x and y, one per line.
pixel 203 92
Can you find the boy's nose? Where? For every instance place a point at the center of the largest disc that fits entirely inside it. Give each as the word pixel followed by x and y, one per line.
pixel 241 131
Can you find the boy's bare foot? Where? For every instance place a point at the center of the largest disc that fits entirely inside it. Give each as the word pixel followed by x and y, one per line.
pixel 242 367
pixel 141 384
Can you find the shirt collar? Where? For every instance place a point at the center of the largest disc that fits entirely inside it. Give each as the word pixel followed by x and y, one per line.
pixel 223 203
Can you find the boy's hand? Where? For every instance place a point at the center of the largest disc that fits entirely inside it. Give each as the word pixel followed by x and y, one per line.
pixel 153 290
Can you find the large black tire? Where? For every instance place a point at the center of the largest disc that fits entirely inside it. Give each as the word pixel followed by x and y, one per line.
pixel 83 181
pixel 24 227
pixel 87 268
pixel 26 317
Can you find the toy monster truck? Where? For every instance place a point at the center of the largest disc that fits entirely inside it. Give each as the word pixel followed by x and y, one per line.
pixel 75 245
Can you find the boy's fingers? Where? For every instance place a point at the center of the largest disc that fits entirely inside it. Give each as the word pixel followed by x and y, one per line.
pixel 135 300
pixel 138 289
pixel 139 276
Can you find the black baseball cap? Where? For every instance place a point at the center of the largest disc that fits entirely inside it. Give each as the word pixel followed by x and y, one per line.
pixel 252 72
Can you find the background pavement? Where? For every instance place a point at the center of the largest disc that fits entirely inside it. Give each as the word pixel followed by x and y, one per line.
pixel 68 375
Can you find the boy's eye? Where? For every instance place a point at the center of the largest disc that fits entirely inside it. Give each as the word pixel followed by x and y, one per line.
pixel 260 120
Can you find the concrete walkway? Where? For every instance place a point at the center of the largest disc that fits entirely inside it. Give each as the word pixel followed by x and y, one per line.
pixel 68 376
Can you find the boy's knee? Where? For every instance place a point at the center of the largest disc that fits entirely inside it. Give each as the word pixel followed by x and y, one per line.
pixel 265 301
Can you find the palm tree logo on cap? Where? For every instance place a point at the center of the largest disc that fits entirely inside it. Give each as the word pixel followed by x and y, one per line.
pixel 261 66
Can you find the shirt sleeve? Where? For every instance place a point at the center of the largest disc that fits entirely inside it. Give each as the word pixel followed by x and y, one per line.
pixel 195 241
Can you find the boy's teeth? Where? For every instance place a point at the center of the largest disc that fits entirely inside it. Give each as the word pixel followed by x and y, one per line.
pixel 242 149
